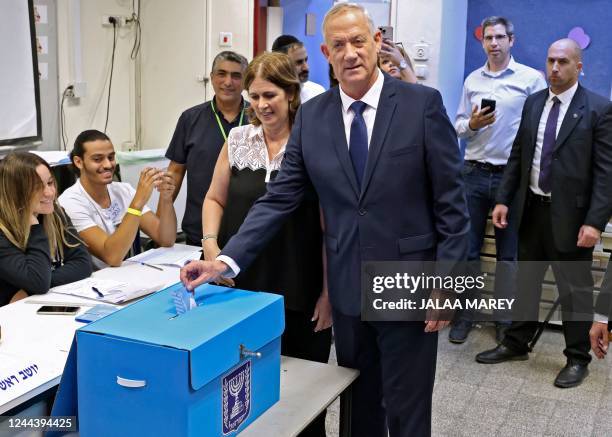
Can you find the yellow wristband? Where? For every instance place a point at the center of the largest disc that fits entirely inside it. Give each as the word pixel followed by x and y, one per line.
pixel 135 212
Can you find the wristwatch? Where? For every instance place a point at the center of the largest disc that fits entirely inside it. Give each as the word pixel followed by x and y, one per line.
pixel 403 64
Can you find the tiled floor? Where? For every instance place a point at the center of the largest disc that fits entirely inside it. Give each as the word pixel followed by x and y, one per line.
pixel 513 399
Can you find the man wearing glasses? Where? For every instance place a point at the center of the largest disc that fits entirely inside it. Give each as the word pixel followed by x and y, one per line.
pixel 487 120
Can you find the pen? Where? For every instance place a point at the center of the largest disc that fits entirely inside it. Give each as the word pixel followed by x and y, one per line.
pixel 97 291
pixel 151 265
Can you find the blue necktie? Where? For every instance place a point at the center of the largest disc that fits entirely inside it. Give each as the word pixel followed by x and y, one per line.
pixel 358 142
pixel 548 145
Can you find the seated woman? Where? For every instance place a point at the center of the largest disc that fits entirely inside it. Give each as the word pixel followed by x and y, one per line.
pixel 293 263
pixel 39 248
pixel 393 60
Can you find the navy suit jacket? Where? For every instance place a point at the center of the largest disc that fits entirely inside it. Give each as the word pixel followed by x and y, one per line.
pixel 411 205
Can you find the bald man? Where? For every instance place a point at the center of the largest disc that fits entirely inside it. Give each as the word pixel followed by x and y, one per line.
pixel 560 172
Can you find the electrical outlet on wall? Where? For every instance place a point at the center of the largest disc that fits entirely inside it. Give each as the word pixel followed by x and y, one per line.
pixel 120 20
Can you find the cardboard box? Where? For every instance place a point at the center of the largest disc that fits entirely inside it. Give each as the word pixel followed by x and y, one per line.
pixel 145 371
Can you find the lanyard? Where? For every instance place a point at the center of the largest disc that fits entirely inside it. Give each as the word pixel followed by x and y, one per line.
pixel 212 104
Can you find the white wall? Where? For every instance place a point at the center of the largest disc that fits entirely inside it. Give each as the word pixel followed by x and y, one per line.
pixel 442 24
pixel 96 46
pixel 179 41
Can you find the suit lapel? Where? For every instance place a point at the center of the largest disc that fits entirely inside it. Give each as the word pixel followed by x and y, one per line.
pixel 336 128
pixel 572 117
pixel 384 114
pixel 536 114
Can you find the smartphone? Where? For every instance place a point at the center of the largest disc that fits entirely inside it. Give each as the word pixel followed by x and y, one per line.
pixel 387 32
pixel 53 309
pixel 488 103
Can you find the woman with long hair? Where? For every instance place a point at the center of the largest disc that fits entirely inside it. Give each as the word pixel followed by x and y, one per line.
pixel 39 249
pixel 293 262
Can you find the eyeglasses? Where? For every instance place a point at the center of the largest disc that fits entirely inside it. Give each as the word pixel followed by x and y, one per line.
pixel 490 38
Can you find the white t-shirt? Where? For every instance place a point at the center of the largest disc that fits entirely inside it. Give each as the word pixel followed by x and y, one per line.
pixel 309 90
pixel 86 213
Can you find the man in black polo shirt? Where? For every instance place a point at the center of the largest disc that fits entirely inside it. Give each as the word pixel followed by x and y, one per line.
pixel 200 134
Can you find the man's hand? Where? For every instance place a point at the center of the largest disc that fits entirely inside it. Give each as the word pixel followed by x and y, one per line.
pixel 166 186
pixel 436 320
pixel 500 216
pixel 199 272
pixel 482 118
pixel 599 339
pixel 149 178
pixel 322 313
pixel 211 250
pixel 588 236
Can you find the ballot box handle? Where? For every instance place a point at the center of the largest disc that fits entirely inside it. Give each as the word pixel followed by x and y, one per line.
pixel 246 353
pixel 131 383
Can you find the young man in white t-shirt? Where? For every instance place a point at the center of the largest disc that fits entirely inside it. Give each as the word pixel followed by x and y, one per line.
pixel 107 214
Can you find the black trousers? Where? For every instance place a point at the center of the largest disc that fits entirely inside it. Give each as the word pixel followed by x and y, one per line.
pixel 397 364
pixel 572 272
pixel 300 341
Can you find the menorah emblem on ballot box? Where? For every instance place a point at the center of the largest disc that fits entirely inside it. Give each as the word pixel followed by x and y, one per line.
pixel 236 397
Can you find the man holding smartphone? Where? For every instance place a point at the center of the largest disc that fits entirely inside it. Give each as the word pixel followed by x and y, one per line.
pixel 487 120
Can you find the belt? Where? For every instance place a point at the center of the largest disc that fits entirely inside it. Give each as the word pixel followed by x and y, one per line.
pixel 486 166
pixel 542 199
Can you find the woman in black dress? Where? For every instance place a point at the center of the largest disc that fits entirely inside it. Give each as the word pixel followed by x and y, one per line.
pixel 293 262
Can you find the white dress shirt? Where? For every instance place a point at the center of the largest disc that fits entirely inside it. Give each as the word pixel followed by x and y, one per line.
pixel 371 98
pixel 509 88
pixel 310 89
pixel 565 97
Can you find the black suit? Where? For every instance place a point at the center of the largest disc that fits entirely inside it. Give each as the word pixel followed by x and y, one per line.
pixel 581 194
pixel 604 301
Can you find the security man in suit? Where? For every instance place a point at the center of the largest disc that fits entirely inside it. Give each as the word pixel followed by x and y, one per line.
pixel 560 170
pixel 382 156
pixel 599 329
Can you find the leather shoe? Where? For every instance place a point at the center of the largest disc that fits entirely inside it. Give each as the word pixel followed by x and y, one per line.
pixel 459 331
pixel 500 354
pixel 571 375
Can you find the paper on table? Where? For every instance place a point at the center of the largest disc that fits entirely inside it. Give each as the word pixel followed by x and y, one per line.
pixel 113 291
pixel 20 375
pixel 169 256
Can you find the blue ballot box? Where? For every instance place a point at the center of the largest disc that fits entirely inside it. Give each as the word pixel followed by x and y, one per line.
pixel 209 372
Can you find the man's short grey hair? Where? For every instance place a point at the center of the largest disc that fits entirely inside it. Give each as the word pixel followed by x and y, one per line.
pixel 340 8
pixel 495 20
pixel 228 55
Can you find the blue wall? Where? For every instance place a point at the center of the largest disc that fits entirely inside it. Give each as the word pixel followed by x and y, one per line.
pixel 294 23
pixel 539 23
pixel 452 53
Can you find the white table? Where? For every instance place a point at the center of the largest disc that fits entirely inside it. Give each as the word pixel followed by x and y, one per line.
pixel 47 338
pixel 307 388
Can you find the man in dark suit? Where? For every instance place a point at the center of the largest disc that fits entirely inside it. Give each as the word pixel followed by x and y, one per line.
pixel 560 171
pixel 599 333
pixel 382 156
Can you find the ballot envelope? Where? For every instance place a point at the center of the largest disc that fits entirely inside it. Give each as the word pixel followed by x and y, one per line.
pixel 144 370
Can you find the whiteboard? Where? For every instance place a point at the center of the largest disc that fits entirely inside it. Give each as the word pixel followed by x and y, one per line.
pixel 19 93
